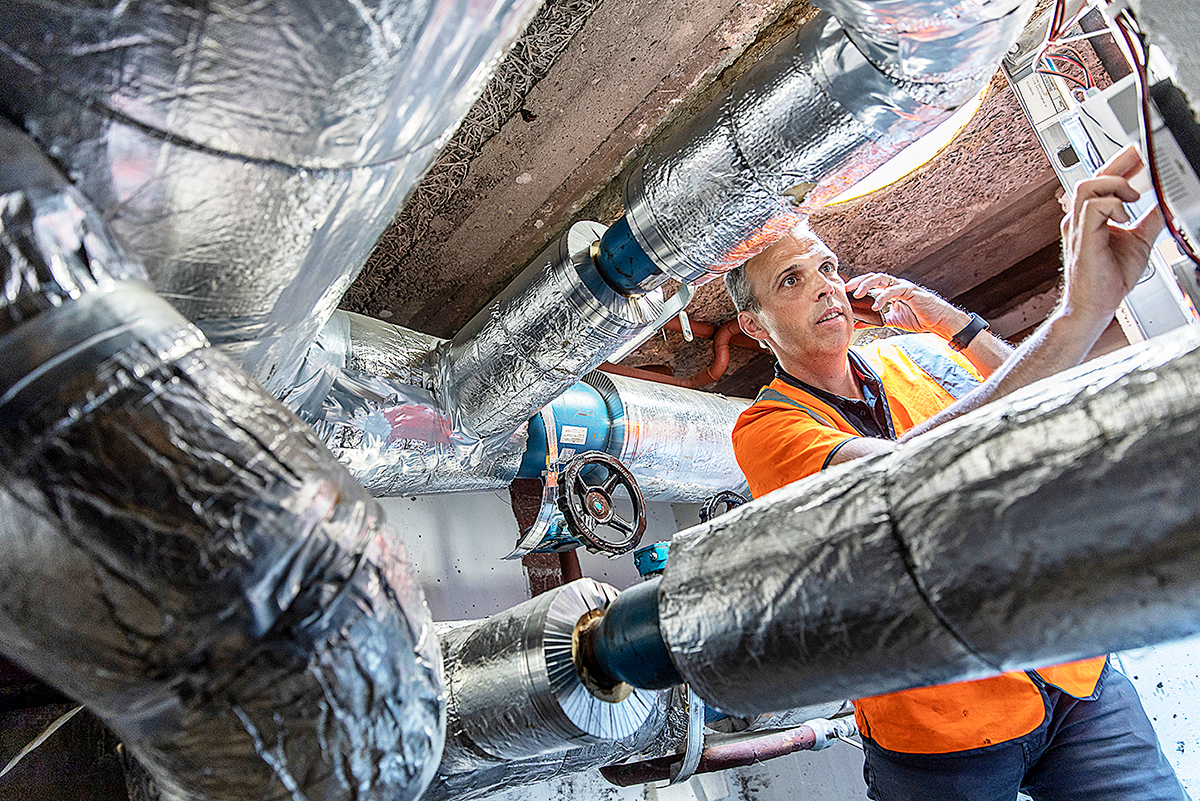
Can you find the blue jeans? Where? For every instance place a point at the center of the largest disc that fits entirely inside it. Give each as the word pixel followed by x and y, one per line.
pixel 1101 750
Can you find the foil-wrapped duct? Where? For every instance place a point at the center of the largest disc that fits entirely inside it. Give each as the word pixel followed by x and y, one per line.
pixel 55 248
pixel 943 51
pixel 677 442
pixel 180 554
pixel 812 117
pixel 663 733
pixel 554 323
pixel 249 155
pixel 374 394
pixel 1060 523
pixel 371 392
pixel 514 690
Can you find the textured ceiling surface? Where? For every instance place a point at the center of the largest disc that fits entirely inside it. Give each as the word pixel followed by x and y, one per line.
pixel 594 81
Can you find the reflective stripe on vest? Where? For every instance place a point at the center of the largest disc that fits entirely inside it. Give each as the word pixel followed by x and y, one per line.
pixel 766 393
pixel 952 376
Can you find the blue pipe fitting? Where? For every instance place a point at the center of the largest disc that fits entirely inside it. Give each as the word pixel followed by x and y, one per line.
pixel 627 644
pixel 652 559
pixel 583 424
pixel 621 262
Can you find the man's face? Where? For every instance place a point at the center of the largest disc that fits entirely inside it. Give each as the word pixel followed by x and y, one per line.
pixel 805 311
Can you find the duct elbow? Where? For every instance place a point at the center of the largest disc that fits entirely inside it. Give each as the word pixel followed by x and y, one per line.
pixel 180 553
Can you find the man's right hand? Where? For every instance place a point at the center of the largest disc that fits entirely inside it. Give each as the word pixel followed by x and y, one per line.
pixel 1103 258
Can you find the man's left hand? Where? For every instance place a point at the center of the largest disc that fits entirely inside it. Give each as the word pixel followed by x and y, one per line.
pixel 907 306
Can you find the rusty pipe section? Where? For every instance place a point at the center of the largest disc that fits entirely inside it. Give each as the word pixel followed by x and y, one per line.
pixel 178 551
pixel 249 156
pixel 817 113
pixel 1058 524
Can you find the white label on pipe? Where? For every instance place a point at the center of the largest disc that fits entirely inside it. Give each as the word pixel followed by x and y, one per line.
pixel 573 435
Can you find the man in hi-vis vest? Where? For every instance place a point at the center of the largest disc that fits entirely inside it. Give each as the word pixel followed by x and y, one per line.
pixel 1074 731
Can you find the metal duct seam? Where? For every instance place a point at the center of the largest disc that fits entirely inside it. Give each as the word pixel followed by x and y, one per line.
pixel 677 442
pixel 514 690
pixel 250 157
pixel 553 324
pixel 1059 524
pixel 180 554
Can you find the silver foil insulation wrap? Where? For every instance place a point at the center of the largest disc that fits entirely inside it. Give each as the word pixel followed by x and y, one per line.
pixel 249 156
pixel 663 733
pixel 371 392
pixel 180 554
pixel 677 442
pixel 1060 523
pixel 55 248
pixel 514 691
pixel 944 51
pixel 811 118
pixel 553 324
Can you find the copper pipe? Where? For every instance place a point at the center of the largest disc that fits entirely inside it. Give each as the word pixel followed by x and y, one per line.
pixel 719 757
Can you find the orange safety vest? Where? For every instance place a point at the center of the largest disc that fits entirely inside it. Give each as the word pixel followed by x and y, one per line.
pixel 789 434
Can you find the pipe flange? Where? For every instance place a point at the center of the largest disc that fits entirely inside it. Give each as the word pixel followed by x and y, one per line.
pixel 616 315
pixel 593 718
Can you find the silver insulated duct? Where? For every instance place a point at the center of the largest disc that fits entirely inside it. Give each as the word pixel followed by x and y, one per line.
pixel 514 691
pixel 556 322
pixel 178 552
pixel 249 155
pixel 372 393
pixel 823 108
pixel 1061 523
pixel 677 442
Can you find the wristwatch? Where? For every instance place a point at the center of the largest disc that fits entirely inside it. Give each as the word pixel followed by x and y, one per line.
pixel 972 329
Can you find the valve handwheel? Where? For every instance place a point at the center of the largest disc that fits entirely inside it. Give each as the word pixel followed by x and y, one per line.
pixel 727 498
pixel 588 504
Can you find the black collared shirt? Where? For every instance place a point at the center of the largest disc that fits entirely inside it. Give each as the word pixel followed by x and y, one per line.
pixel 870 417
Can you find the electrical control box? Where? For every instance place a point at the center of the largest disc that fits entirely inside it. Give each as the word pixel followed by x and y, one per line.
pixel 1081 126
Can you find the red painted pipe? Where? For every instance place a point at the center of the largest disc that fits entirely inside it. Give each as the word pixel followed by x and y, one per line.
pixel 720 361
pixel 719 757
pixel 709 331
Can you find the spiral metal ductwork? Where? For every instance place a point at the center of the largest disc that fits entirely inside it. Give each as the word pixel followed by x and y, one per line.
pixel 1058 524
pixel 250 156
pixel 179 552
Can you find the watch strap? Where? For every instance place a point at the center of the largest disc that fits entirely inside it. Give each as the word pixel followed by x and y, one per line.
pixel 963 338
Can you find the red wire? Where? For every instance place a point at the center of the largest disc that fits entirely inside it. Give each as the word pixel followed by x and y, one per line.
pixel 1139 69
pixel 1058 74
pixel 1077 61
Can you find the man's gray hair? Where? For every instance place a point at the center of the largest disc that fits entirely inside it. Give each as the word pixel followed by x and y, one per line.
pixel 738 284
